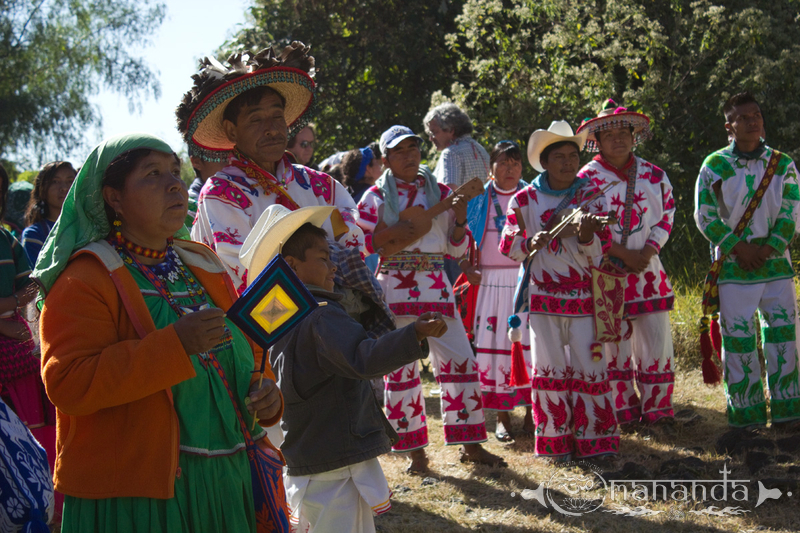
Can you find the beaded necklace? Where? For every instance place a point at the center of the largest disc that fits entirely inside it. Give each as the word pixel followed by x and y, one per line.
pixel 170 270
pixel 135 248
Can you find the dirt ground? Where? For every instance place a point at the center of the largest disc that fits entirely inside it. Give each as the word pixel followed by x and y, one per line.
pixel 457 498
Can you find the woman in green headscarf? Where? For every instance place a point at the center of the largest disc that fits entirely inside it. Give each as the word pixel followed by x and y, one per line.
pixel 132 325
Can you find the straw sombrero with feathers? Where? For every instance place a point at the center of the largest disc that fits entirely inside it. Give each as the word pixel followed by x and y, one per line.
pixel 611 117
pixel 199 114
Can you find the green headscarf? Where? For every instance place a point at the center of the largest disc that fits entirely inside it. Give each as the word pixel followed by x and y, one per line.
pixel 83 217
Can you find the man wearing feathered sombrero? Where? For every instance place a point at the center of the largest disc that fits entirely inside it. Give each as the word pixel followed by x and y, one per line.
pixel 746 204
pixel 251 110
pixel 641 197
pixel 572 410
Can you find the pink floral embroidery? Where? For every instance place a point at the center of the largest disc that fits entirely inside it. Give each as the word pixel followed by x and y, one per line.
pixel 522 198
pixel 546 216
pixel 321 185
pixel 225 191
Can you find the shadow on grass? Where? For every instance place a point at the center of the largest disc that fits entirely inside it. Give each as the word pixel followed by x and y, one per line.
pixel 410 518
pixel 406 517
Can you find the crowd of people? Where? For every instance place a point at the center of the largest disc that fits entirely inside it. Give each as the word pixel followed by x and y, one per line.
pixel 548 296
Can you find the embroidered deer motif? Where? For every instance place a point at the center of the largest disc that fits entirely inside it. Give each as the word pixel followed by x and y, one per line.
pixel 781 313
pixel 741 324
pixel 739 388
pixel 772 379
pixel 789 381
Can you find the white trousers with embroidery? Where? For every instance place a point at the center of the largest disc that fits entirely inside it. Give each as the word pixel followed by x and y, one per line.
pixel 643 361
pixel 572 408
pixel 744 389
pixel 456 371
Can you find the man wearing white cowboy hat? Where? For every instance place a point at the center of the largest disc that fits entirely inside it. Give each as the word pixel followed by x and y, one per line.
pixel 568 391
pixel 334 428
pixel 414 282
pixel 641 197
pixel 251 110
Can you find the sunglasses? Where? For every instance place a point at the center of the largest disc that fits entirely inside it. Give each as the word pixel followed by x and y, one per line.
pixel 307 144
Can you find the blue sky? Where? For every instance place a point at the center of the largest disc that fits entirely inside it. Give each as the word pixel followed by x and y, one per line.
pixel 191 29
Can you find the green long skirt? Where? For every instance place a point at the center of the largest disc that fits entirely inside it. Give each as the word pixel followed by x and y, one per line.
pixel 214 492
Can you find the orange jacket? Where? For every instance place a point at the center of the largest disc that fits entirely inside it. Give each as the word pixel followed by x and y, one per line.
pixel 117 430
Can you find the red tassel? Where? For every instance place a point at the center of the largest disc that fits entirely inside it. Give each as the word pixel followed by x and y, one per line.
pixel 716 336
pixel 711 375
pixel 519 372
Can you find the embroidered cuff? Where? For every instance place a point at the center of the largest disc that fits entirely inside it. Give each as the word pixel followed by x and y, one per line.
pixel 728 243
pixel 654 244
pixel 457 242
pixel 776 242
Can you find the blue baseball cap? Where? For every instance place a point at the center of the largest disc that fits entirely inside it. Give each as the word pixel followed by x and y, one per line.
pixel 394 135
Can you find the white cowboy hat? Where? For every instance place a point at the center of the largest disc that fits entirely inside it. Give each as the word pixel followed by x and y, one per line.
pixel 272 230
pixel 558 131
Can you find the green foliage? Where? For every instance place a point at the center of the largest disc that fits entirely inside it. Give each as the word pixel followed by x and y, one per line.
pixel 378 61
pixel 28 175
pixel 55 54
pixel 524 63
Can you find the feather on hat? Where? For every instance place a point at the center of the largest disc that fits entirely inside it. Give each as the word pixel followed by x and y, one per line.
pixel 611 117
pixel 199 115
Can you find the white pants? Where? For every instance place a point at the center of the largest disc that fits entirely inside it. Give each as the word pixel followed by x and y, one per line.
pixel 744 389
pixel 644 358
pixel 456 371
pixel 572 408
pixel 342 500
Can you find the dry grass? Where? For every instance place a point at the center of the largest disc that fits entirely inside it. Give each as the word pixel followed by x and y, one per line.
pixel 478 498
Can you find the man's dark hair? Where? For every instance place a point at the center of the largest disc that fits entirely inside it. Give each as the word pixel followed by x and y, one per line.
pixel 301 240
pixel 738 100
pixel 556 146
pixel 248 98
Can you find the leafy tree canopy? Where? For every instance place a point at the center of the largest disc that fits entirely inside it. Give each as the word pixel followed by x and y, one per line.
pixel 378 61
pixel 55 54
pixel 524 63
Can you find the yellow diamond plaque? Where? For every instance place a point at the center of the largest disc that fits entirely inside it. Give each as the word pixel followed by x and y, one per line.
pixel 275 309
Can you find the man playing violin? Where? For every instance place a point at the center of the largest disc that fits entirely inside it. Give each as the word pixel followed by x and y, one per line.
pixel 411 273
pixel 572 410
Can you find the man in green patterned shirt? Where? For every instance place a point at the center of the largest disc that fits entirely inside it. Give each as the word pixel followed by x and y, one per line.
pixel 756 270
